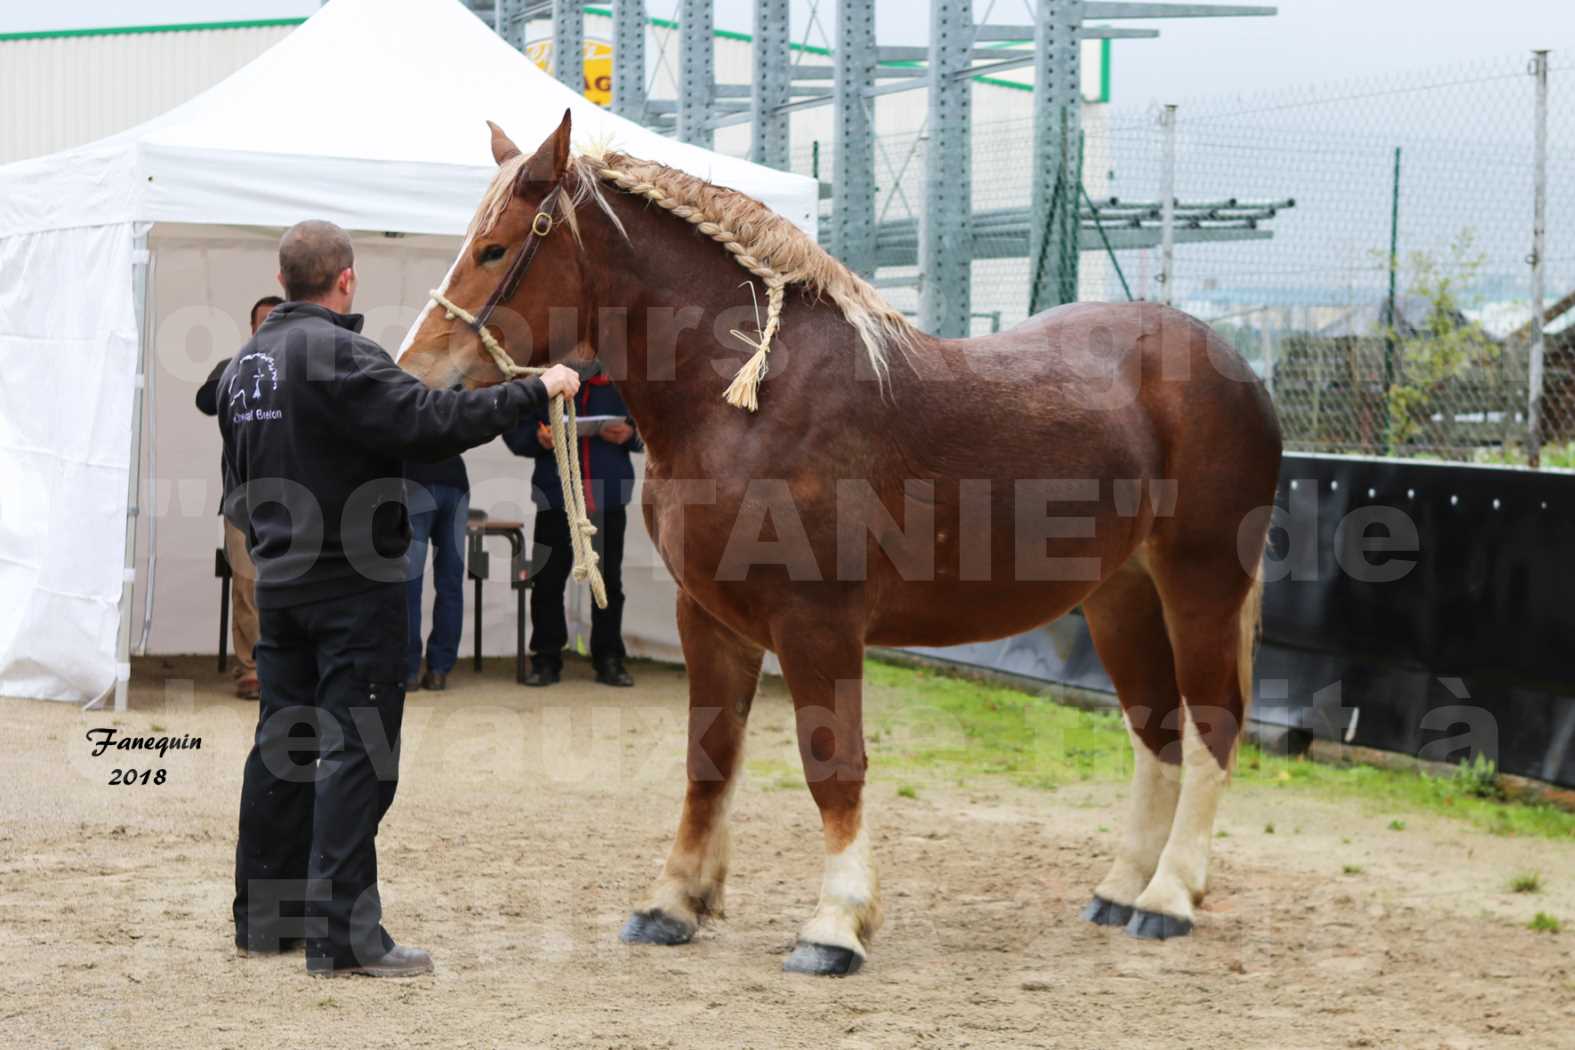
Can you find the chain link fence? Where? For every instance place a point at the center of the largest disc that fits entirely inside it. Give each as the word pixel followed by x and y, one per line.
pixel 1365 245
pixel 1390 307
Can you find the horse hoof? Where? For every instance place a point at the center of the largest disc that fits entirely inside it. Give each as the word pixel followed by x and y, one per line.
pixel 1157 926
pixel 655 927
pixel 823 960
pixel 1101 912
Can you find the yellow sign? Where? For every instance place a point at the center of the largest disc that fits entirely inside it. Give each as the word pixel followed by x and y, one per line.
pixel 598 66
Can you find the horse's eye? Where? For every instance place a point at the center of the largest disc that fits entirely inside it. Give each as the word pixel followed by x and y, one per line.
pixel 493 252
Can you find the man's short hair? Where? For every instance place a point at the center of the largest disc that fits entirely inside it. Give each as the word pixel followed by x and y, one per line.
pixel 269 301
pixel 312 255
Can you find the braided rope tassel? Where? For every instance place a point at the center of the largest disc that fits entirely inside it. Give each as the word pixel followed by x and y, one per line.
pixel 744 391
pixel 561 422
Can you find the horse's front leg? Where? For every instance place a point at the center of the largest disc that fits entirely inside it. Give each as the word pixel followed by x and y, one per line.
pixel 823 663
pixel 724 671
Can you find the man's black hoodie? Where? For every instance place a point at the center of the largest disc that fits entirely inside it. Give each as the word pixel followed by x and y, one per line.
pixel 317 423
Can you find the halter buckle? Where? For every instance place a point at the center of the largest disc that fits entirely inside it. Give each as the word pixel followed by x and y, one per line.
pixel 541 225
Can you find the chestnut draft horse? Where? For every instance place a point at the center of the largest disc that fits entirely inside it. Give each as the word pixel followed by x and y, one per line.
pixel 891 489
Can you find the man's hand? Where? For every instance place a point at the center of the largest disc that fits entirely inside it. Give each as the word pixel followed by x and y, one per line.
pixel 543 435
pixel 561 379
pixel 618 432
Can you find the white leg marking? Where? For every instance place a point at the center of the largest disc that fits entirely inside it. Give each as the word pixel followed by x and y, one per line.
pixel 849 912
pixel 1183 870
pixel 1150 810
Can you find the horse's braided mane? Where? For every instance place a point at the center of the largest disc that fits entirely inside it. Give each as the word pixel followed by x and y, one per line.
pixel 761 241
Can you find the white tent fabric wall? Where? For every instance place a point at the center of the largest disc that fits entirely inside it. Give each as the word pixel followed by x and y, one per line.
pixel 205 279
pixel 403 149
pixel 68 347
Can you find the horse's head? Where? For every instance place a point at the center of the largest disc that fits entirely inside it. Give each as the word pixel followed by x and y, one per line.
pixel 542 317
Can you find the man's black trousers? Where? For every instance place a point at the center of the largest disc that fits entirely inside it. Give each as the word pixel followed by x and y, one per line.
pixel 333 674
pixel 552 556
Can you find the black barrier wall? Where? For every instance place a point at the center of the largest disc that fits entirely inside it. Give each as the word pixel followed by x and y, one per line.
pixel 1423 608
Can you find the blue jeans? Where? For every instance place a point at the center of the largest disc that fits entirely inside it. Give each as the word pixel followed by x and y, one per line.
pixel 443 529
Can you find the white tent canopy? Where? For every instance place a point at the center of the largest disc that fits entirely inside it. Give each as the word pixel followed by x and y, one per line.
pixel 371 115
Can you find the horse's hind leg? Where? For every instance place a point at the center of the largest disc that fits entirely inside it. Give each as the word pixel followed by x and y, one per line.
pixel 724 671
pixel 1211 607
pixel 1127 623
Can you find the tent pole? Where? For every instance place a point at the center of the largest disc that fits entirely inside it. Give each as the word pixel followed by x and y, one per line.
pixel 140 260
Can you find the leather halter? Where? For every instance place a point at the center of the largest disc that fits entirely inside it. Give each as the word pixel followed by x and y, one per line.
pixel 560 410
pixel 540 227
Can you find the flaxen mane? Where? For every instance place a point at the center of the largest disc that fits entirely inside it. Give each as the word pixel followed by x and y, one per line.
pixel 761 241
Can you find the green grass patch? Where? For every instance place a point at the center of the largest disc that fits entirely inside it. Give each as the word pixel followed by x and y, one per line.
pixel 930 722
pixel 1542 922
pixel 1414 792
pixel 961 730
pixel 774 775
pixel 907 791
pixel 1352 869
pixel 1526 882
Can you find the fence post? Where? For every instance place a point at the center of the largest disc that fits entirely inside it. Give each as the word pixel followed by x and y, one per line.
pixel 1167 205
pixel 772 85
pixel 853 139
pixel 508 19
pixel 696 72
pixel 1539 230
pixel 629 59
pixel 1391 312
pixel 1054 201
pixel 946 226
pixel 568 44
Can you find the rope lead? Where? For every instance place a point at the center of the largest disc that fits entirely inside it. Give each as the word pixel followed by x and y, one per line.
pixel 565 450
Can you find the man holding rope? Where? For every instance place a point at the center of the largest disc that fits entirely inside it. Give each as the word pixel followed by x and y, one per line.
pixel 317 422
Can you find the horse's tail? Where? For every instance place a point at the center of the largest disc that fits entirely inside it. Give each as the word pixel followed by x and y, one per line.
pixel 1251 614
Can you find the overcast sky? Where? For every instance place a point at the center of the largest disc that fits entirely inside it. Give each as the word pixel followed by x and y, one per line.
pixel 1307 42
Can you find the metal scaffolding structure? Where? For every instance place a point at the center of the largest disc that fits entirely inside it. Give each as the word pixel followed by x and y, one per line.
pixel 1057 222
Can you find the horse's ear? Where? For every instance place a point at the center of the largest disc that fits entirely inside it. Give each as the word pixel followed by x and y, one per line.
pixel 503 148
pixel 551 159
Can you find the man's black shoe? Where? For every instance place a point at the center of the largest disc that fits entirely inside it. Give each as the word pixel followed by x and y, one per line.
pixel 283 946
pixel 399 962
pixel 611 671
pixel 543 673
pixel 436 681
pixel 412 683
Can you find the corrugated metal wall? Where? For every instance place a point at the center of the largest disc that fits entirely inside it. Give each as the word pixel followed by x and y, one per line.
pixel 62 91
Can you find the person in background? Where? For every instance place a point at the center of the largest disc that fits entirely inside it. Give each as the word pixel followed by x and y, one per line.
pixel 243 576
pixel 608 481
pixel 436 518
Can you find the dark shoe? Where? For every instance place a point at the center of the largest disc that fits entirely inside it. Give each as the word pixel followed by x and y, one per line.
pixel 611 671
pixel 543 673
pixel 412 683
pixel 284 946
pixel 399 962
pixel 437 681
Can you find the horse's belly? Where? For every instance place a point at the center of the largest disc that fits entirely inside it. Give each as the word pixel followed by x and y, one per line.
pixel 954 613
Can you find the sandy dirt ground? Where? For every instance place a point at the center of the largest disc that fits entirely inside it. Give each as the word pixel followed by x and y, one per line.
pixel 528 822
